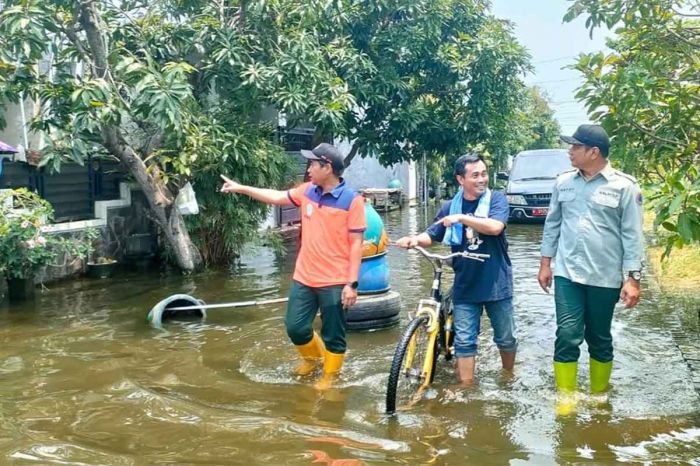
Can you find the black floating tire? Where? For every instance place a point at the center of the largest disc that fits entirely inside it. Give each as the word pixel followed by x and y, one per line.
pixel 373 324
pixel 404 385
pixel 374 307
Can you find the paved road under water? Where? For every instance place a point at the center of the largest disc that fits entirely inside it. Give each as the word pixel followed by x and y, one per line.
pixel 84 380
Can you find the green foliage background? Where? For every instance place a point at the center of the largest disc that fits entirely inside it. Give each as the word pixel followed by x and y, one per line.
pixel 183 91
pixel 645 92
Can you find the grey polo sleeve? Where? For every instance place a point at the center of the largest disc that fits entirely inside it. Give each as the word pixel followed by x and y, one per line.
pixel 631 229
pixel 552 225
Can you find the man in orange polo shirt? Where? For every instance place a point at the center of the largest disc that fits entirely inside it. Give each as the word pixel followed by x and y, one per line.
pixel 332 229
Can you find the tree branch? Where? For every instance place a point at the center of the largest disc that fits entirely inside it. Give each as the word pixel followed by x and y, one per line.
pixel 687 15
pixel 353 152
pixel 75 40
pixel 656 137
pixel 89 20
pixel 682 39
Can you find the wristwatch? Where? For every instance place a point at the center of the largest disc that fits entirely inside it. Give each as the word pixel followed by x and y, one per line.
pixel 635 275
pixel 353 285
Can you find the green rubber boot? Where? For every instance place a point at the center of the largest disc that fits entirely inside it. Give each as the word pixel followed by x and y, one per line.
pixel 565 376
pixel 600 375
pixel 565 380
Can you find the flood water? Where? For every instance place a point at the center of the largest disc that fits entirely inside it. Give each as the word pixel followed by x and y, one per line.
pixel 84 380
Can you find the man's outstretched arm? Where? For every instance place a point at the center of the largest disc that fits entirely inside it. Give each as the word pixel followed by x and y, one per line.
pixel 268 196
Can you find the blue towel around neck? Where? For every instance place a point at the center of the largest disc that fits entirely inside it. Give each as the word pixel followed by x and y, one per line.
pixel 453 235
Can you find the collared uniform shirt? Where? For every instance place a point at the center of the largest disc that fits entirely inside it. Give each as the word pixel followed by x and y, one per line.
pixel 594 228
pixel 327 219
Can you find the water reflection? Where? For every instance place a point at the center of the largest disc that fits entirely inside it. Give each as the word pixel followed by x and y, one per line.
pixel 85 380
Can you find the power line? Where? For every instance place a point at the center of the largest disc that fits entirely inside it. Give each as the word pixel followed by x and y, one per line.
pixel 557 81
pixel 554 59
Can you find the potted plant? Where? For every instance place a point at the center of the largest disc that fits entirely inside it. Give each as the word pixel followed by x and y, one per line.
pixel 101 267
pixel 24 249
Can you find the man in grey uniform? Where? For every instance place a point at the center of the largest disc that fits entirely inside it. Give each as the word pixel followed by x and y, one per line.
pixel 594 230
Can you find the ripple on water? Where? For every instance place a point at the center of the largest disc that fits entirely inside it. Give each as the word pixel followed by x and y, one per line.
pixel 85 381
pixel 673 447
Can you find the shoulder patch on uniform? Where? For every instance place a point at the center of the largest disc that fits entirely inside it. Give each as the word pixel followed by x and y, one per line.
pixel 567 173
pixel 625 175
pixel 639 198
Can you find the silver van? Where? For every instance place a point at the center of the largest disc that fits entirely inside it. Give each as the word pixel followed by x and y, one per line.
pixel 531 180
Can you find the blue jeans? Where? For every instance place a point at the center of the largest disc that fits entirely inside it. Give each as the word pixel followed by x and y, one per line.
pixel 467 323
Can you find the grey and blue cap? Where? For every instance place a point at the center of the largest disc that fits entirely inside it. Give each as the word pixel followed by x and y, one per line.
pixel 591 136
pixel 326 153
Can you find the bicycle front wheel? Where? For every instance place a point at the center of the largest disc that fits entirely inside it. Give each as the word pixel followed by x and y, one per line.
pixel 413 365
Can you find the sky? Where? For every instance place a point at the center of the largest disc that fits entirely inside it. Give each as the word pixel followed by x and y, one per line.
pixel 553 45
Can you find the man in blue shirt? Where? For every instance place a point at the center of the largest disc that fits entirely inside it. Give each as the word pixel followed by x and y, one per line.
pixel 476 220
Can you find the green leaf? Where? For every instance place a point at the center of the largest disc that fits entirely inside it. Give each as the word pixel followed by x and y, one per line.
pixel 685 227
pixel 675 203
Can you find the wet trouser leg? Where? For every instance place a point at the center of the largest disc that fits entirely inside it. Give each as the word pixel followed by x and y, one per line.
pixel 304 303
pixel 332 318
pixel 583 311
pixel 600 304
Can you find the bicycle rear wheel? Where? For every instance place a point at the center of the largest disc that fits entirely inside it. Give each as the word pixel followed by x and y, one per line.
pixel 408 374
pixel 447 335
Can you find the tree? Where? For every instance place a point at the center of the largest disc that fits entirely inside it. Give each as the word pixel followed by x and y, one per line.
pixel 544 130
pixel 645 93
pixel 90 109
pixel 450 76
pixel 401 79
pixel 530 126
pixel 175 90
pixel 158 85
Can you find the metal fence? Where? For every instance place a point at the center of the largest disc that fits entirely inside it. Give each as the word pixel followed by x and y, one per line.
pixel 72 192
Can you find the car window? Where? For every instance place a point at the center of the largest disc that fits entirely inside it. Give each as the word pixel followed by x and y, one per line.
pixel 539 166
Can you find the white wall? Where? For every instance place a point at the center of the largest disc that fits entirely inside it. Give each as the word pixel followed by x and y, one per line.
pixel 13 134
pixel 369 173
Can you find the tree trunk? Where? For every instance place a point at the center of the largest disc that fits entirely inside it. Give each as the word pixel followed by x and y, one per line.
pixel 160 200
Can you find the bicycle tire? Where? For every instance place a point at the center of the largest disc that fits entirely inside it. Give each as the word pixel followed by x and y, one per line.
pixel 447 339
pixel 415 327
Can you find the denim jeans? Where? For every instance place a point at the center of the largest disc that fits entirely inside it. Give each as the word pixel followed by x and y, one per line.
pixel 467 323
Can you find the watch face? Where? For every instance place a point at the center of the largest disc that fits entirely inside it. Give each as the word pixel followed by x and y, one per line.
pixel 636 275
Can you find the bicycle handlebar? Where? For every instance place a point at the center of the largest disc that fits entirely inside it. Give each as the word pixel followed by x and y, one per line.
pixel 443 258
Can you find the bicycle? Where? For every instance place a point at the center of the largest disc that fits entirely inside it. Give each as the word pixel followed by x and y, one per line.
pixel 428 333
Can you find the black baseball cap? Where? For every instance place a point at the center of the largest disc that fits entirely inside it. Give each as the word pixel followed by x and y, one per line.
pixel 326 153
pixel 590 135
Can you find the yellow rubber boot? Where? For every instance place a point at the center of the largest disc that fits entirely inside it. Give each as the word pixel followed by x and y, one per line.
pixel 332 363
pixel 600 375
pixel 565 380
pixel 311 354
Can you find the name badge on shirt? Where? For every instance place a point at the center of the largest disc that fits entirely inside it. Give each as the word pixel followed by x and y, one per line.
pixel 606 197
pixel 567 194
